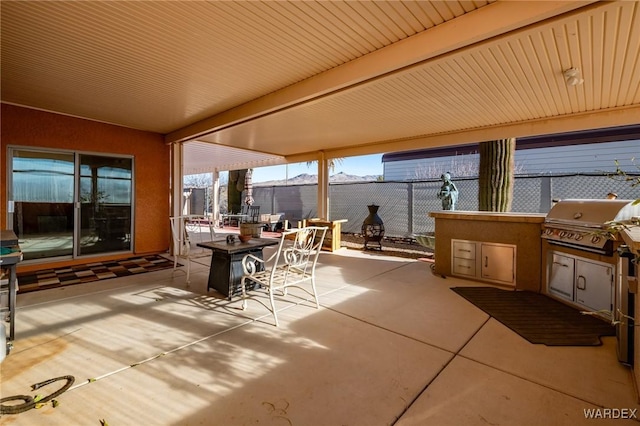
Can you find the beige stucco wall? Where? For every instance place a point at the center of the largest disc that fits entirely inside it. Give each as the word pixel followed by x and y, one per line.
pixel 519 229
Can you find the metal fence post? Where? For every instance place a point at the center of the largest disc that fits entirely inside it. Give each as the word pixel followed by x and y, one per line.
pixel 545 196
pixel 410 208
pixel 273 199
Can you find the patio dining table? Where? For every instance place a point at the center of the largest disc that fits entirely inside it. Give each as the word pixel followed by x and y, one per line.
pixel 225 274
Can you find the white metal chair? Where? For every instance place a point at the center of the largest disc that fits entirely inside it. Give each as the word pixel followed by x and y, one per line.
pixel 187 231
pixel 200 228
pixel 293 264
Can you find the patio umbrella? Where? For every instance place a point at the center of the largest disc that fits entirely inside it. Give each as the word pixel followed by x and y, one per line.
pixel 248 188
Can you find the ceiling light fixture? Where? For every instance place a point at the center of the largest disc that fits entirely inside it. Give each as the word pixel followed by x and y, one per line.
pixel 572 76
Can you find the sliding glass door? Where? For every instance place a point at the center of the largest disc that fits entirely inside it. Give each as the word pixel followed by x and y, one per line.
pixel 70 204
pixel 43 195
pixel 105 204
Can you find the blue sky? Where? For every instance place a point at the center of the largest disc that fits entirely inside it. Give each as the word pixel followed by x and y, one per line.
pixel 359 166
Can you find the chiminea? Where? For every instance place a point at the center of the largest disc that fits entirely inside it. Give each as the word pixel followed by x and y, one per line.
pixel 373 228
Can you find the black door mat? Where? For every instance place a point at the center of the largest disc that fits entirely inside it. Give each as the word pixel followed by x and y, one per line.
pixel 89 272
pixel 538 318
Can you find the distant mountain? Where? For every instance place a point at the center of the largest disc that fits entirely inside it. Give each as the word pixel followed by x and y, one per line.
pixel 306 179
pixel 343 177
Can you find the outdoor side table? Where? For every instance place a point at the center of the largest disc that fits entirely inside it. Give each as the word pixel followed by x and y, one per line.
pixel 333 239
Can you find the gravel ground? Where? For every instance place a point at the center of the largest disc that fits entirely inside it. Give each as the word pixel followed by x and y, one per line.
pixel 401 247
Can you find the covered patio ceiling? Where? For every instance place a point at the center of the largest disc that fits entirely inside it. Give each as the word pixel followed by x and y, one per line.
pixel 295 81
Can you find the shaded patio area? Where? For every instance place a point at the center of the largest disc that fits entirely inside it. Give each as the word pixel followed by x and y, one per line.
pixel 391 344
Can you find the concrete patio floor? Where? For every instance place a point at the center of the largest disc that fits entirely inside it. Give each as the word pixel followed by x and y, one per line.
pixel 391 344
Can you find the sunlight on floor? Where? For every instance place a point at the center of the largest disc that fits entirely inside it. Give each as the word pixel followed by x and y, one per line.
pixel 388 336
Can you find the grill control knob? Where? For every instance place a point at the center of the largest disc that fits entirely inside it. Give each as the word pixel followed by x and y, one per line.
pixel 595 239
pixel 578 237
pixel 562 234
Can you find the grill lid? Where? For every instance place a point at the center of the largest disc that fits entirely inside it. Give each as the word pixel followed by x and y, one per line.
pixel 591 213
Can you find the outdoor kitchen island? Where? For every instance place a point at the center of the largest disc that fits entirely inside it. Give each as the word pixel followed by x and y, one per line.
pixel 631 237
pixel 500 248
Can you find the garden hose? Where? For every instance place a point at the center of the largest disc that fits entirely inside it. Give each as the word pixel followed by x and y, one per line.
pixel 29 402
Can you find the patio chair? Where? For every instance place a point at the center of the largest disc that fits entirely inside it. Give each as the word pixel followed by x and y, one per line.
pixel 200 228
pixel 253 214
pixel 292 265
pixel 186 232
pixel 234 219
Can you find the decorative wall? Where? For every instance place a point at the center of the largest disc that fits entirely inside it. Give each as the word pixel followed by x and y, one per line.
pixel 38 129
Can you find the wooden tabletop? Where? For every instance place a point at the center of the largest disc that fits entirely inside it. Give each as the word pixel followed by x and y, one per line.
pixel 8 238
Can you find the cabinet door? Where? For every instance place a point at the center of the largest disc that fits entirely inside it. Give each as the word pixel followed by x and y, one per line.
pixel 498 262
pixel 562 276
pixel 594 285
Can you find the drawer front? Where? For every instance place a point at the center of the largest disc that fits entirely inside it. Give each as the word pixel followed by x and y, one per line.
pixel 464 267
pixel 464 250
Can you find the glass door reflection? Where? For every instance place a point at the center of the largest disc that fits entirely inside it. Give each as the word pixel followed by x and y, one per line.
pixel 43 191
pixel 105 194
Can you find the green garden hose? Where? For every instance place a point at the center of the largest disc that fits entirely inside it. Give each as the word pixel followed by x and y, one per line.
pixel 29 402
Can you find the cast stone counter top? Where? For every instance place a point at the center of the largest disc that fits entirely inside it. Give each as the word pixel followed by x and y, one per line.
pixel 631 237
pixel 490 216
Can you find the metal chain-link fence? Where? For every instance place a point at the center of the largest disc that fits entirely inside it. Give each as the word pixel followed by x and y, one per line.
pixel 405 206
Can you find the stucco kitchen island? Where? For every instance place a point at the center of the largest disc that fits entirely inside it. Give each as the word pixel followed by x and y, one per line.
pixel 500 248
pixel 631 237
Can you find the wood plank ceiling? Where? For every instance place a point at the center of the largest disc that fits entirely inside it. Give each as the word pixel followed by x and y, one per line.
pixel 291 79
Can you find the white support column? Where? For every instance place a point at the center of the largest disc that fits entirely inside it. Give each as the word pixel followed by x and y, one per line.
pixel 215 196
pixel 323 187
pixel 177 197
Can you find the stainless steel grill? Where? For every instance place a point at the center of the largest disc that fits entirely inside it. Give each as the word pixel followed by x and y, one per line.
pixel 583 224
pixel 593 282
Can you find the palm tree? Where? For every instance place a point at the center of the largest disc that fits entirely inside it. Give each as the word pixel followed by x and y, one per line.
pixel 331 163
